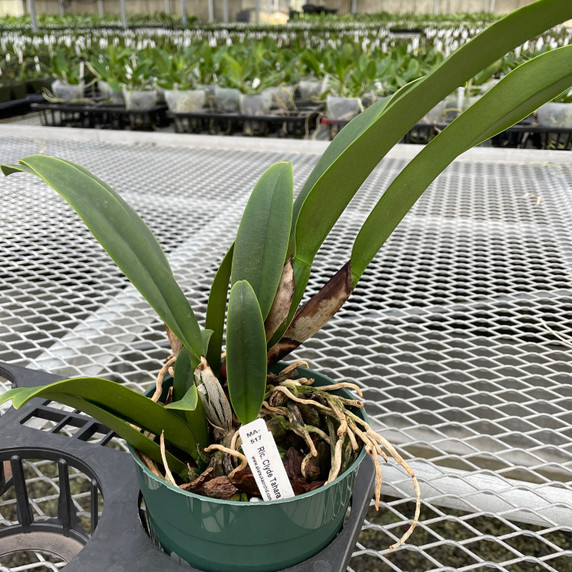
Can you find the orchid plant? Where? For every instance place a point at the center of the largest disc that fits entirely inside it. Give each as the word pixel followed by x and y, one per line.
pixel 217 387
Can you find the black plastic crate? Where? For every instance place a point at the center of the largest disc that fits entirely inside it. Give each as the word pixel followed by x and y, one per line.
pixel 294 124
pixel 119 539
pixel 100 116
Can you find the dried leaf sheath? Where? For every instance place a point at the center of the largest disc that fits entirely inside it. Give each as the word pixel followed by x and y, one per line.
pixel 315 314
pixel 282 301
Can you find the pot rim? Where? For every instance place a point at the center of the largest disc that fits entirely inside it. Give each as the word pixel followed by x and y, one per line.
pixel 352 468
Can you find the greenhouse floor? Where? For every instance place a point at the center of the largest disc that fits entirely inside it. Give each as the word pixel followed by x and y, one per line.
pixel 459 333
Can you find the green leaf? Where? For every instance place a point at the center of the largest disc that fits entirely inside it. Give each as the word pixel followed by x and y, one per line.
pixel 263 235
pixel 216 310
pixel 130 406
pixel 120 426
pixel 183 378
pixel 513 98
pixel 184 392
pixel 125 237
pixel 206 335
pixel 189 401
pixel 359 147
pixel 245 352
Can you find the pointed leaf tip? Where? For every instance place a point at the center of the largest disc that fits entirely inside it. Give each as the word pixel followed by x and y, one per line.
pixel 264 233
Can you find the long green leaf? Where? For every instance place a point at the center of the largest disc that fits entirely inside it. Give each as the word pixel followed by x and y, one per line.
pixel 515 97
pixel 125 237
pixel 245 352
pixel 184 394
pixel 216 310
pixel 117 399
pixel 124 429
pixel 184 377
pixel 359 147
pixel 263 235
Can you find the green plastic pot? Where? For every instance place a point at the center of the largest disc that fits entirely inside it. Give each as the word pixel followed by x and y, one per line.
pixel 230 536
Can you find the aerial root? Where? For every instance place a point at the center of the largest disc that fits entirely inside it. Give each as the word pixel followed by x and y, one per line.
pixel 161 376
pixel 337 464
pixel 288 369
pixel 343 385
pixel 290 395
pixel 236 441
pixel 168 475
pixel 373 443
pixel 234 453
pixel 150 464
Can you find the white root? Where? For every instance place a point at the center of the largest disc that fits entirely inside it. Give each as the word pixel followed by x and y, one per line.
pixel 161 376
pixel 318 432
pixel 335 468
pixel 564 340
pixel 353 440
pixel 236 441
pixel 343 385
pixel 150 464
pixel 168 475
pixel 289 394
pixel 243 460
pixel 292 367
pixel 402 463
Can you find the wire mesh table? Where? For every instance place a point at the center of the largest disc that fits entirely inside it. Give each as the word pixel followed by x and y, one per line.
pixel 457 334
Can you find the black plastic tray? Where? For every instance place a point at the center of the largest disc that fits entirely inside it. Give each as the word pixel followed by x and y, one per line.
pixel 297 123
pixel 100 116
pixel 119 541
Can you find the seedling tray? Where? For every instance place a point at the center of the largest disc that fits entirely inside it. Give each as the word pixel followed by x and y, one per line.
pixel 296 124
pixel 118 540
pixel 100 116
pixel 17 106
pixel 526 134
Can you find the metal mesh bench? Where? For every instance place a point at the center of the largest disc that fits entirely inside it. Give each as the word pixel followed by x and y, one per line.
pixel 453 335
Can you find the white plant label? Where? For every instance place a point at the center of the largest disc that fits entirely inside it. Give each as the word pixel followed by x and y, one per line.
pixel 264 461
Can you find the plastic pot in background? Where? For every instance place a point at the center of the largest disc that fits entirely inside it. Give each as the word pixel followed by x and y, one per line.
pixel 231 536
pixel 282 97
pixel 309 91
pixel 468 100
pixel 368 99
pixel 255 106
pixel 226 99
pixel 114 97
pixel 68 92
pixel 434 115
pixel 452 108
pixel 140 100
pixel 342 109
pixel 186 101
pixel 554 114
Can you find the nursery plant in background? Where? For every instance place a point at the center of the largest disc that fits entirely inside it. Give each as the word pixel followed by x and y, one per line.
pixel 69 72
pixel 12 78
pixel 558 112
pixel 139 81
pixel 250 71
pixel 228 372
pixel 109 66
pixel 177 75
